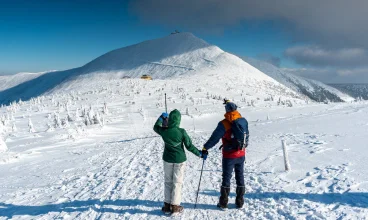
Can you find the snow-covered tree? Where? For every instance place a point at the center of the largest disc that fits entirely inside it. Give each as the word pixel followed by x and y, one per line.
pixel 30 126
pixel 14 128
pixel 50 128
pixel 103 120
pixel 289 103
pixel 57 121
pixel 65 123
pixel 2 127
pixel 69 117
pixel 105 109
pixel 253 103
pixel 86 120
pixel 3 147
pixel 91 115
pixel 77 114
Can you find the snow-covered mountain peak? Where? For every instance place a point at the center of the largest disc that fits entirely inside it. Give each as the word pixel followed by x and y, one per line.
pixel 178 52
pixel 182 58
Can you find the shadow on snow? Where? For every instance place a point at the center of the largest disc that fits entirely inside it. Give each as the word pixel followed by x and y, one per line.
pixel 136 206
pixel 130 140
pixel 131 206
pixel 353 199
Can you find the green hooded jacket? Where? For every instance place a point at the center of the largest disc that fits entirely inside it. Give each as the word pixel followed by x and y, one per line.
pixel 175 139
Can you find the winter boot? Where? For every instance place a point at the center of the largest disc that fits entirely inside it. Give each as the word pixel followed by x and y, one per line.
pixel 166 208
pixel 177 209
pixel 239 201
pixel 224 198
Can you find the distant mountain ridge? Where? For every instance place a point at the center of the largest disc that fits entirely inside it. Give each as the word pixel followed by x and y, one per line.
pixel 313 89
pixel 353 89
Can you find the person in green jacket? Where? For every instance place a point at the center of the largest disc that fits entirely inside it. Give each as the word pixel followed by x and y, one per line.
pixel 174 158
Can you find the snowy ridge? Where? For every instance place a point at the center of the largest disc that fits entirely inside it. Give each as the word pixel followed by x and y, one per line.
pixel 313 89
pixel 358 91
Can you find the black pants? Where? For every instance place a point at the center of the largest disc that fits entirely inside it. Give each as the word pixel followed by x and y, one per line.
pixel 228 165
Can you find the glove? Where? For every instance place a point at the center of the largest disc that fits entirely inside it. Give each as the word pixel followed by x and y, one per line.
pixel 203 153
pixel 163 116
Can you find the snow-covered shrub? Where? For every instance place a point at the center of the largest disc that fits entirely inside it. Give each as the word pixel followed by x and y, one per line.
pixel 279 102
pixel 2 128
pixel 199 90
pixel 65 123
pixel 30 126
pixel 269 99
pixel 105 109
pixel 57 121
pixel 289 103
pixel 97 119
pixel 253 103
pixel 187 111
pixel 50 128
pixel 69 118
pixel 199 102
pixel 77 114
pixel 86 120
pixel 3 147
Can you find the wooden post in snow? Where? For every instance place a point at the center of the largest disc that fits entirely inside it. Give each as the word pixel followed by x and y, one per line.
pixel 286 156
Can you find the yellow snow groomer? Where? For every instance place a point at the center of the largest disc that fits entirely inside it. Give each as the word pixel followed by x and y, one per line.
pixel 146 77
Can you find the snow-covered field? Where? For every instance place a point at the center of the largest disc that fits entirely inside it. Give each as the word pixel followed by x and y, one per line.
pixel 112 168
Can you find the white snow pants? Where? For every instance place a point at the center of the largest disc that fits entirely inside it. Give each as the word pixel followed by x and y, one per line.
pixel 174 176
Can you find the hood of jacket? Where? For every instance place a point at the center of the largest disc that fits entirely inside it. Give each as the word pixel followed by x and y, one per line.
pixel 174 119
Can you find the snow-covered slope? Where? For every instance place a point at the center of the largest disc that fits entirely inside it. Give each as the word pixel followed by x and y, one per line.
pixel 182 58
pixel 313 89
pixel 8 81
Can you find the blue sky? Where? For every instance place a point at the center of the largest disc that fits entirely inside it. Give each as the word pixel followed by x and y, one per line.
pixel 43 35
pixel 329 44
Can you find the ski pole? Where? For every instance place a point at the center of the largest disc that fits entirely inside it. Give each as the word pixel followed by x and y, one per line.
pixel 166 120
pixel 165 104
pixel 195 206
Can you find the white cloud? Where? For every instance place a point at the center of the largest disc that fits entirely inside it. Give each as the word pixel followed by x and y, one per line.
pixel 317 56
pixel 353 72
pixel 332 75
